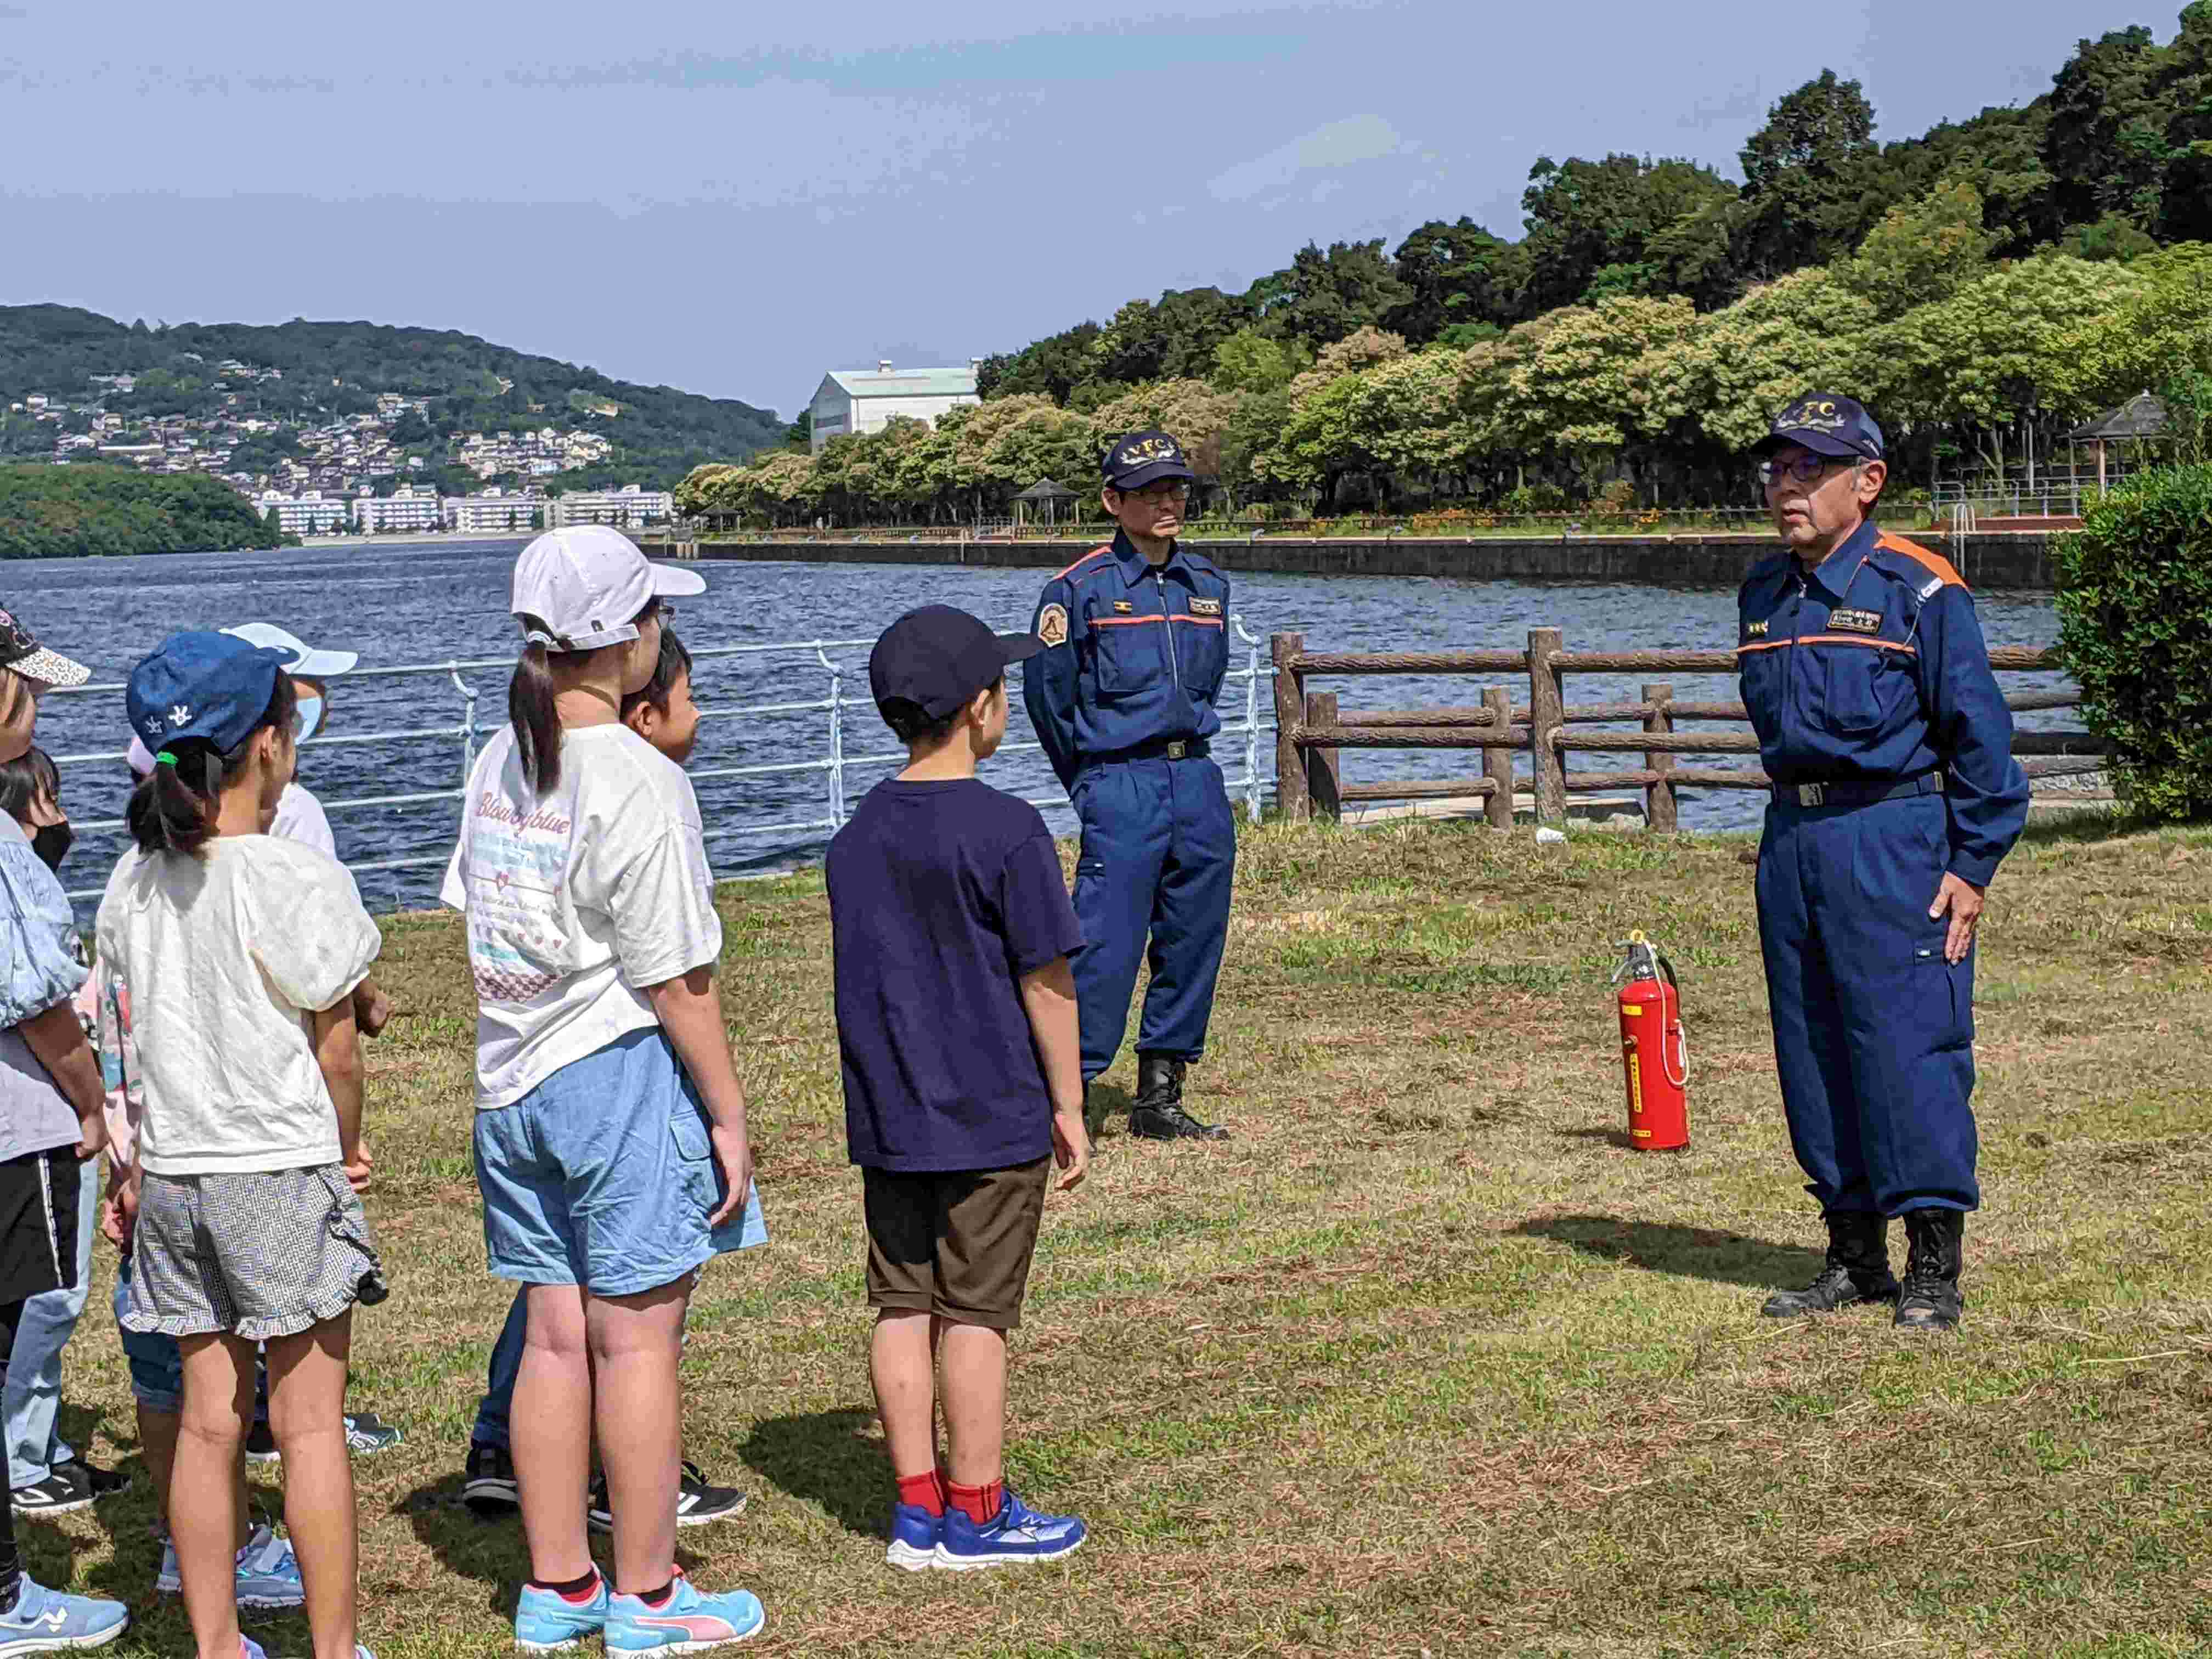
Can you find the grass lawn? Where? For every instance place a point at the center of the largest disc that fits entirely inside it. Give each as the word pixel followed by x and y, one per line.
pixel 1425 1360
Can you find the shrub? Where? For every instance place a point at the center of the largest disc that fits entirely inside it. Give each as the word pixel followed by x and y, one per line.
pixel 1536 498
pixel 2134 611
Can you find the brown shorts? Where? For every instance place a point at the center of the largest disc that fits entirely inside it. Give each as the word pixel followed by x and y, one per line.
pixel 956 1243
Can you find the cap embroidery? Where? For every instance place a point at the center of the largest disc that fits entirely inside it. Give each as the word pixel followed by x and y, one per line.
pixel 1814 415
pixel 179 715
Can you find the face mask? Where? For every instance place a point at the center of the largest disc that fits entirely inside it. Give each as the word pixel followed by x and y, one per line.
pixel 307 714
pixel 50 842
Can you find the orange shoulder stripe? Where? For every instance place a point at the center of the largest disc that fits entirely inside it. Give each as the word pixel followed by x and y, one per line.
pixel 1085 560
pixel 1937 565
pixel 1830 639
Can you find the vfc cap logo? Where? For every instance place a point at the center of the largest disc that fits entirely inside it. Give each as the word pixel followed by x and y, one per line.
pixel 1147 451
pixel 1813 414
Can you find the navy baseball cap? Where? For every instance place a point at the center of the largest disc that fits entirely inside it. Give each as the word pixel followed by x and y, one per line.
pixel 201 688
pixel 937 658
pixel 1137 458
pixel 1826 424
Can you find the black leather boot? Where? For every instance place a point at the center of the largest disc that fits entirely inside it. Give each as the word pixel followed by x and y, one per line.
pixel 1931 1299
pixel 1856 1270
pixel 1157 1113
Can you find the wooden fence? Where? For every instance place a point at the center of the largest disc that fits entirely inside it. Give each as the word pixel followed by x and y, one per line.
pixel 1311 731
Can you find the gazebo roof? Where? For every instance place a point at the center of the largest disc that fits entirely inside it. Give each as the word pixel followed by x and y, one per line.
pixel 2141 417
pixel 1045 489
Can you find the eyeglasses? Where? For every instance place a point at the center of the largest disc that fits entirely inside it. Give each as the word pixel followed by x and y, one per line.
pixel 1154 495
pixel 1803 470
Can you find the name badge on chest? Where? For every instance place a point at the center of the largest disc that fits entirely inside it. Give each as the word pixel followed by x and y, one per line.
pixel 1205 607
pixel 1856 622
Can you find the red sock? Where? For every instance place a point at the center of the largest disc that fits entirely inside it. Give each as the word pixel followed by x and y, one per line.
pixel 920 1491
pixel 980 1505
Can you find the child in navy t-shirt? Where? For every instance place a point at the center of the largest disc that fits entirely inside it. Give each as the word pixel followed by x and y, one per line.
pixel 964 1085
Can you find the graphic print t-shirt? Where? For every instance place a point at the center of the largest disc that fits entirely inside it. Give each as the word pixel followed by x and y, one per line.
pixel 576 899
pixel 942 895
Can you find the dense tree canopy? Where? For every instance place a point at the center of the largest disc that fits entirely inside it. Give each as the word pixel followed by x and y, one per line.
pixel 1982 286
pixel 60 512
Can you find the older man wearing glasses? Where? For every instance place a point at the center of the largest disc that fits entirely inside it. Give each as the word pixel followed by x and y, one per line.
pixel 1895 795
pixel 1123 700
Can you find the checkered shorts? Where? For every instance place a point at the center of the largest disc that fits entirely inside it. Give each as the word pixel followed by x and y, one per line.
pixel 260 1254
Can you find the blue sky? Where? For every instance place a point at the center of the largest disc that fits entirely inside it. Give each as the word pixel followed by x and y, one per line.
pixel 733 199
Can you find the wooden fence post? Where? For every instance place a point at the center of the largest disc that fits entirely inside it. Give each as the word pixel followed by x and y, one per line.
pixel 1498 763
pixel 1324 768
pixel 1659 795
pixel 1290 797
pixel 1547 701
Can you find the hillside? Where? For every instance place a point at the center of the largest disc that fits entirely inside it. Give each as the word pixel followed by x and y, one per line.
pixel 246 402
pixel 68 512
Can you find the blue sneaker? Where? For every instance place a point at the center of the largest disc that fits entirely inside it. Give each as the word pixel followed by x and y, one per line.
pixel 1016 1534
pixel 690 1620
pixel 914 1538
pixel 268 1572
pixel 546 1621
pixel 47 1621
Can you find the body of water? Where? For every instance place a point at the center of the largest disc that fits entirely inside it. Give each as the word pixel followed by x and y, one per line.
pixel 398 603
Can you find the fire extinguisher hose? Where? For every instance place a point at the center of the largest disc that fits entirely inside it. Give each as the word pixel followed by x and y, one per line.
pixel 1681 1033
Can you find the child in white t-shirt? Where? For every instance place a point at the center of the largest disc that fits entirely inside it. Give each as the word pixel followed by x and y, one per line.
pixel 610 1128
pixel 242 952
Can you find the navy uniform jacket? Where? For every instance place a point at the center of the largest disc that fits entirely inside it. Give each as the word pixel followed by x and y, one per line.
pixel 1874 668
pixel 1133 656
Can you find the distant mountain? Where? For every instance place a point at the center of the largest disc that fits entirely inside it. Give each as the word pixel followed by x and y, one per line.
pixel 210 379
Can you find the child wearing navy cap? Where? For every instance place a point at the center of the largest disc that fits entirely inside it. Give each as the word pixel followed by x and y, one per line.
pixel 963 1072
pixel 242 953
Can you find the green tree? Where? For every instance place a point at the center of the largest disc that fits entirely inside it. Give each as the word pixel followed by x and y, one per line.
pixel 1320 297
pixel 1799 174
pixel 1458 274
pixel 1922 251
pixel 1249 360
pixel 1585 216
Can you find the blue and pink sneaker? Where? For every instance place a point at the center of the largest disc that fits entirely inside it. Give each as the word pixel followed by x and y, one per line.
pixel 914 1538
pixel 546 1621
pixel 690 1622
pixel 1017 1533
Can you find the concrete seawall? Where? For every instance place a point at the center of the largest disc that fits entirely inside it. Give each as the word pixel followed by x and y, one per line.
pixel 2010 561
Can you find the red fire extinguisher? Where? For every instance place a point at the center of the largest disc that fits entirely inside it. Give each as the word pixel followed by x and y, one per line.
pixel 1653 1048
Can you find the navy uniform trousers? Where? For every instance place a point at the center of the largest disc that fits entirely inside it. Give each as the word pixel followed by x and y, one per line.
pixel 1158 857
pixel 1873 1030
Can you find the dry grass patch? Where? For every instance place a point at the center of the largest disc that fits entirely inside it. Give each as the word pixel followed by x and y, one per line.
pixel 1425 1359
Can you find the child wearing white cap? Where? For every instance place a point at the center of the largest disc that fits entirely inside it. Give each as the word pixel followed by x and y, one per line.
pixel 610 1127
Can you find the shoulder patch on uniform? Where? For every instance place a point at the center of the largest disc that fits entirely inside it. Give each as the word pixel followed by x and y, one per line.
pixel 1051 624
pixel 1858 622
pixel 1204 607
pixel 1931 587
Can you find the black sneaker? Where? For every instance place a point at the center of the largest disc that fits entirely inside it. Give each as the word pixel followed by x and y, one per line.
pixel 67 1487
pixel 697 1504
pixel 105 1483
pixel 365 1433
pixel 488 1484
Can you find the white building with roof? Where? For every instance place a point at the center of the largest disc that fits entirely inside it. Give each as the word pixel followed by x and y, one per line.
pixel 494 511
pixel 409 508
pixel 860 400
pixel 309 513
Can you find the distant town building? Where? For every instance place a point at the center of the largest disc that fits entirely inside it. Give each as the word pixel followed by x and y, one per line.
pixel 494 511
pixel 630 508
pixel 311 514
pixel 858 400
pixel 408 509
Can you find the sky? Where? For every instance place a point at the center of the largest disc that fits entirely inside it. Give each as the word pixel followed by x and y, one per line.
pixel 733 199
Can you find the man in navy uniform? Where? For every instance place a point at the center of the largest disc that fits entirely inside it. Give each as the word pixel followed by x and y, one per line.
pixel 1895 794
pixel 1122 699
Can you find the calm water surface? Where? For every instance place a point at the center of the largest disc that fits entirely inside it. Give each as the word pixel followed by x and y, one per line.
pixel 425 603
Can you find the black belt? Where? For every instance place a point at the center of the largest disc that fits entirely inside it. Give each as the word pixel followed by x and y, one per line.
pixel 1857 791
pixel 1160 748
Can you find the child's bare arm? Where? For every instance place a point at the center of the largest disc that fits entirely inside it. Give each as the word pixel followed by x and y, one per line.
pixel 1048 999
pixel 57 1037
pixel 338 1051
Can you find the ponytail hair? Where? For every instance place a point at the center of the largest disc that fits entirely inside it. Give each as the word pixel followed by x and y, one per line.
pixel 536 721
pixel 172 809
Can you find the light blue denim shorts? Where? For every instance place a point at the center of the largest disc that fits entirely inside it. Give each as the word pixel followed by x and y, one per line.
pixel 603 1175
pixel 157 1363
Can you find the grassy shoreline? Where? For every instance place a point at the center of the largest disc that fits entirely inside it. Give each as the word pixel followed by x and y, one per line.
pixel 1425 1359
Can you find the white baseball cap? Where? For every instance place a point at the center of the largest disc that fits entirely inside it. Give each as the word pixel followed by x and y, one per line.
pixel 305 659
pixel 583 585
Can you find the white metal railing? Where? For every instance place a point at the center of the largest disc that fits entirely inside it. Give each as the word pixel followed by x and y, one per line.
pixel 1258 717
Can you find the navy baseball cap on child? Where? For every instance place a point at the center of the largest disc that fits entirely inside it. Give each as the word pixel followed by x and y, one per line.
pixel 201 688
pixel 1137 458
pixel 1826 424
pixel 938 657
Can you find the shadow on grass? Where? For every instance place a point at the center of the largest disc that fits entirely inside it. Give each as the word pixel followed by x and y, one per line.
pixel 1620 1138
pixel 1108 1107
pixel 831 1458
pixel 491 1551
pixel 1691 1252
